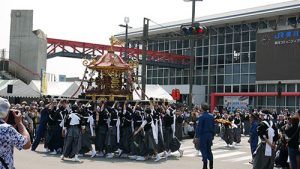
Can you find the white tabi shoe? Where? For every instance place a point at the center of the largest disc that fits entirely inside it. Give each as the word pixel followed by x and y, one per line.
pixel 53 152
pixel 93 154
pixel 109 155
pixel 157 158
pixel 140 158
pixel 180 153
pixel 134 157
pixel 76 159
pixel 100 154
pixel 62 157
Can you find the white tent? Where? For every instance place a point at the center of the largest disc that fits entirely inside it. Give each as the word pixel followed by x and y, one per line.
pixel 154 91
pixel 60 89
pixel 19 89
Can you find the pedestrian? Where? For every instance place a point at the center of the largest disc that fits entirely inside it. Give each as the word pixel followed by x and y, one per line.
pixel 9 136
pixel 237 123
pixel 292 133
pixel 253 140
pixel 265 152
pixel 205 133
pixel 73 129
pixel 42 128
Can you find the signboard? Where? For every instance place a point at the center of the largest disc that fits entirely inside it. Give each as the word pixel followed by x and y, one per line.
pixel 234 102
pixel 277 55
pixel 62 78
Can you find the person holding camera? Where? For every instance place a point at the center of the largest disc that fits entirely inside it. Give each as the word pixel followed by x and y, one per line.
pixel 10 120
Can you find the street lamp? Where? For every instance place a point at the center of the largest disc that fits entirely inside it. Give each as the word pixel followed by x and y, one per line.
pixel 126 20
pixel 192 54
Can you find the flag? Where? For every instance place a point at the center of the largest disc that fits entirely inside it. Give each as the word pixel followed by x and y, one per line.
pixel 44 82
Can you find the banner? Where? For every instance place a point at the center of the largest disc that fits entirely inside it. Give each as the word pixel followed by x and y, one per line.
pixel 234 102
pixel 44 82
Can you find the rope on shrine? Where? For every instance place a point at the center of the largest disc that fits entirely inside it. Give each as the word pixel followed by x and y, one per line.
pixel 81 83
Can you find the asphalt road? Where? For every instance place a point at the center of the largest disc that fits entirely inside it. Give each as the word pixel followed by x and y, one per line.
pixel 224 158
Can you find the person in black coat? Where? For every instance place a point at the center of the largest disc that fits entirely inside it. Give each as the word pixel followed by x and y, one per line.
pixel 292 133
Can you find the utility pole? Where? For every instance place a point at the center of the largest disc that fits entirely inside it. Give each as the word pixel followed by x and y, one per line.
pixel 192 59
pixel 145 46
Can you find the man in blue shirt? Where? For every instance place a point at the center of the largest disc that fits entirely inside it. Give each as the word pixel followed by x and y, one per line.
pixel 205 134
pixel 9 136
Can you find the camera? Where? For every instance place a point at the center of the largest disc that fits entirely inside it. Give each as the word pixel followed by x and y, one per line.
pixel 11 118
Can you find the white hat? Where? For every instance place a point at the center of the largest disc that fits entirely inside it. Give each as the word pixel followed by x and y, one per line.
pixel 4 107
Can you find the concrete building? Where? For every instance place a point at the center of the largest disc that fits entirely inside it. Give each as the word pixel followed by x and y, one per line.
pixel 28 48
pixel 247 50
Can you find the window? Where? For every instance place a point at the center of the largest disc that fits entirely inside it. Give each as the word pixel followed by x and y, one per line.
pixel 245 47
pixel 178 80
pixel 245 68
pixel 179 52
pixel 220 89
pixel 244 88
pixel 149 81
pixel 205 51
pixel 221 38
pixel 198 80
pixel 173 44
pixel 229 48
pixel 199 42
pixel 252 78
pixel 291 88
pixel 213 60
pixel 213 50
pixel 237 47
pixel 205 80
pixel 166 81
pixel 228 79
pixel 220 79
pixel 228 69
pixel 237 37
pixel 236 68
pixel 154 73
pixel 154 81
pixel 172 72
pixel 160 81
pixel 166 72
pixel 205 70
pixel 229 38
pixel 229 29
pixel 167 45
pixel 252 57
pixel 244 78
pixel 228 59
pixel 251 88
pixel 253 35
pixel 172 81
pixel 179 44
pixel 245 27
pixel 220 59
pixel 270 88
pixel 161 46
pixel 221 69
pixel 252 68
pixel 221 49
pixel 149 73
pixel 228 89
pixel 198 71
pixel 186 43
pixel 185 80
pixel 236 79
pixel 245 36
pixel 213 79
pixel 205 60
pixel 178 72
pixel 245 57
pixel 199 51
pixel 252 46
pixel 213 70
pixel 160 72
pixel 236 88
pixel 214 40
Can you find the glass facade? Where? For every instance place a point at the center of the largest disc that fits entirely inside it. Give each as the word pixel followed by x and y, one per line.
pixel 231 52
